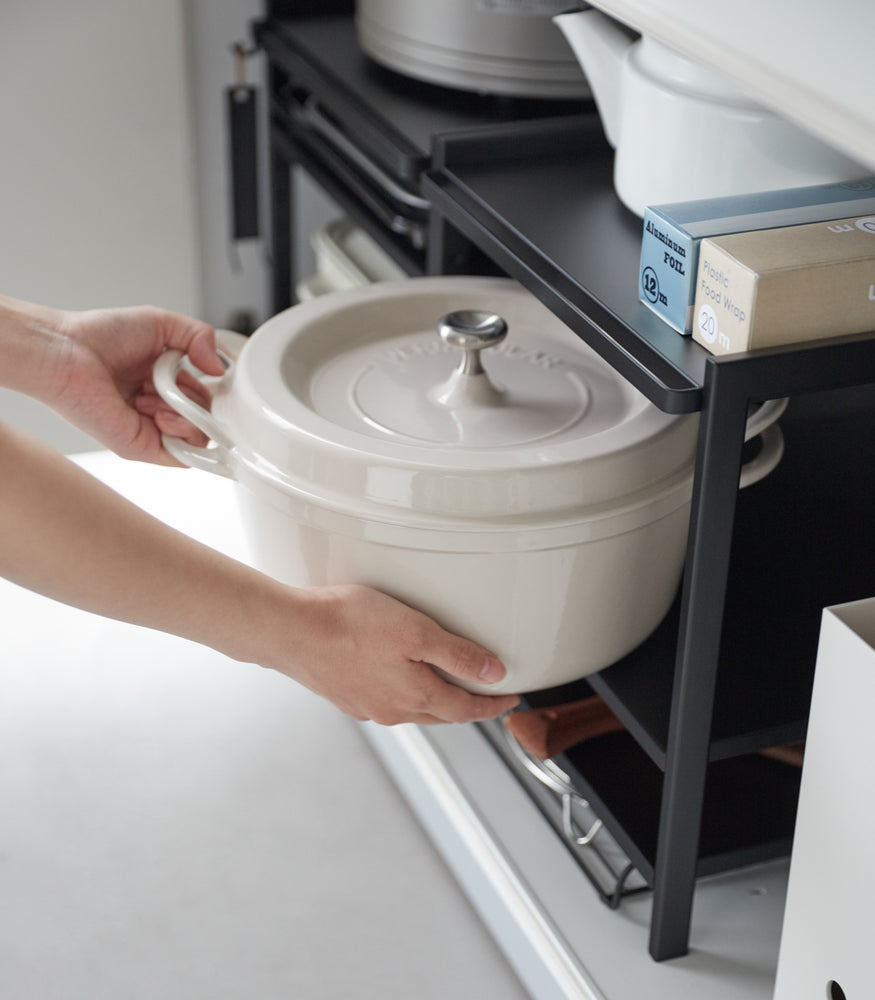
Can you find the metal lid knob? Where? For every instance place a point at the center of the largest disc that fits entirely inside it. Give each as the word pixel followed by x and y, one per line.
pixel 473 330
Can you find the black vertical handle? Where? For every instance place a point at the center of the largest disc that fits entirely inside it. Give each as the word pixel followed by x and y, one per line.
pixel 242 117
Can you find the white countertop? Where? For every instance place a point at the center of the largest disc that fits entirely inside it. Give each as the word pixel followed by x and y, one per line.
pixel 174 824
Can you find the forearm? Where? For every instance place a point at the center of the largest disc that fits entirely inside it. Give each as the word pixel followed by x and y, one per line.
pixel 32 339
pixel 66 535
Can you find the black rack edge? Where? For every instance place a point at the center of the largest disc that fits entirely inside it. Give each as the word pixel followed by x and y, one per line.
pixel 672 391
pixel 771 372
pixel 375 133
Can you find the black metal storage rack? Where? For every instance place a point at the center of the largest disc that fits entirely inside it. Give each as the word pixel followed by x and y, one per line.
pixel 365 135
pixel 525 189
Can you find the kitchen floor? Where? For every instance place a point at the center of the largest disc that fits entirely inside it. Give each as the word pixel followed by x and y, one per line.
pixel 174 824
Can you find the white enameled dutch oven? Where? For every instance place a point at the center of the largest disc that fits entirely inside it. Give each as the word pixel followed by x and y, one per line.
pixel 539 507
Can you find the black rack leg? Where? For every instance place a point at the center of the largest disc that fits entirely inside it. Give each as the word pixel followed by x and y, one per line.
pixel 718 461
pixel 280 216
pixel 439 248
pixel 449 252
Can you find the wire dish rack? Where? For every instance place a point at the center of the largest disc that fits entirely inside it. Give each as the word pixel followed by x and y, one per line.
pixel 609 870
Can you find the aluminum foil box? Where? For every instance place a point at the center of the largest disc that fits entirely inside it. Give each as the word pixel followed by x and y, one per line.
pixel 672 234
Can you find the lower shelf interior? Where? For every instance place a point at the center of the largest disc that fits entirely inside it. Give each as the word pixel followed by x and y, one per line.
pixel 748 815
pixel 803 541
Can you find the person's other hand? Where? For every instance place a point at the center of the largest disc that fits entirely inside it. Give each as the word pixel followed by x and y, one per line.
pixel 103 377
pixel 373 657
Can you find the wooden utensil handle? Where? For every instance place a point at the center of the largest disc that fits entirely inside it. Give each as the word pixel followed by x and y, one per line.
pixel 546 732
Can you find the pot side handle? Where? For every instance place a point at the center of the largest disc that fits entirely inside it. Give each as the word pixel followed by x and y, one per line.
pixel 762 423
pixel 214 458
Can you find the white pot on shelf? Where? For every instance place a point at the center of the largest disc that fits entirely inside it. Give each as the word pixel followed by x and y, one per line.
pixel 683 131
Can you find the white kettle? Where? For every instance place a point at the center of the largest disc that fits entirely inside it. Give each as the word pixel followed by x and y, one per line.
pixel 683 132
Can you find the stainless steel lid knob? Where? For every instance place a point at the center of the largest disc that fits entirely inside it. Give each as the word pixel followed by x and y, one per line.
pixel 473 330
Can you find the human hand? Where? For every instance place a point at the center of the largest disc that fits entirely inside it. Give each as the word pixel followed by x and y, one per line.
pixel 71 538
pixel 372 656
pixel 100 377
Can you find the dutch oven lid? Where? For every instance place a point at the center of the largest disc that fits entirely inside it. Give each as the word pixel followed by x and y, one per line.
pixel 454 395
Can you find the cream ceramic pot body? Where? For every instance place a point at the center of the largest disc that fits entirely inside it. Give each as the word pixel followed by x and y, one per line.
pixel 545 517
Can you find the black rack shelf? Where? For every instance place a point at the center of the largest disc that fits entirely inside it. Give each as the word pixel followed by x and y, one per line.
pixel 747 815
pixel 776 591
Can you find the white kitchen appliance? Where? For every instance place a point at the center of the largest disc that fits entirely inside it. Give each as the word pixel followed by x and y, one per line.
pixel 829 924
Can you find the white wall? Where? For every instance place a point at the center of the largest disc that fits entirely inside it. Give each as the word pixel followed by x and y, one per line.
pixel 113 173
pixel 97 172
